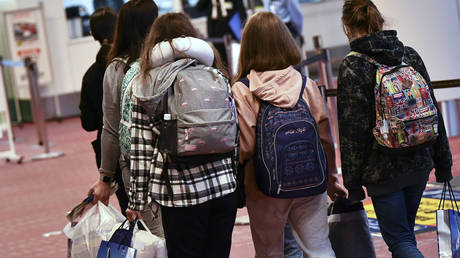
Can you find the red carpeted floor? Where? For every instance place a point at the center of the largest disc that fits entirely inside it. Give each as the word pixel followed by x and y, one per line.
pixel 35 195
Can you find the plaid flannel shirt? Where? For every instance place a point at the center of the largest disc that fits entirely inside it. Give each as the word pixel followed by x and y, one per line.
pixel 190 186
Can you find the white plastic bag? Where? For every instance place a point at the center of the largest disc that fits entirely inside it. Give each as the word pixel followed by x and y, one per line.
pixel 147 244
pixel 95 225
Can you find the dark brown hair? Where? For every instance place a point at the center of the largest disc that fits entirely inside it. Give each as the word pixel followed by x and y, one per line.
pixel 134 21
pixel 102 24
pixel 266 44
pixel 362 16
pixel 166 28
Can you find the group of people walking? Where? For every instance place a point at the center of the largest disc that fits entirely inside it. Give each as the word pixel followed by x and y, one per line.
pixel 192 202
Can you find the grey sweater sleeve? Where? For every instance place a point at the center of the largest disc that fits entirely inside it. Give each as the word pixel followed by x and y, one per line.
pixel 111 117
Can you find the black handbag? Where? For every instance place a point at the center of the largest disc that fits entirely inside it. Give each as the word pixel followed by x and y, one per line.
pixel 349 230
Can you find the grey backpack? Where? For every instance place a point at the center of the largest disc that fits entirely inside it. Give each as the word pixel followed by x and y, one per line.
pixel 198 116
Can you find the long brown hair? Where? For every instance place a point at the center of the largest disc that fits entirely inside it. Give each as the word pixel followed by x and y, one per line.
pixel 362 16
pixel 133 23
pixel 166 28
pixel 266 44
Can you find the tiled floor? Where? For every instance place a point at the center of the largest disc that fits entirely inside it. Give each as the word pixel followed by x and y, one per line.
pixel 35 195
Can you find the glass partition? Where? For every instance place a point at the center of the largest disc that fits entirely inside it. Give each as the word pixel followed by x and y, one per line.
pixel 79 11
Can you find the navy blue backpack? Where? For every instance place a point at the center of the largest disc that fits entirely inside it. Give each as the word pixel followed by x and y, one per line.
pixel 289 159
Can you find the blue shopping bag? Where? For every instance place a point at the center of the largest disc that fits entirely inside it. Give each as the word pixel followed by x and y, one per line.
pixel 119 245
pixel 235 25
pixel 115 250
pixel 448 225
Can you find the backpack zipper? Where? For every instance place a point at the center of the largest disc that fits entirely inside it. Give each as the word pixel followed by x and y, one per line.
pixel 317 155
pixel 263 160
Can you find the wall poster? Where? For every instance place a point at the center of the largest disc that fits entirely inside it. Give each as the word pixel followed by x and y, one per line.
pixel 26 36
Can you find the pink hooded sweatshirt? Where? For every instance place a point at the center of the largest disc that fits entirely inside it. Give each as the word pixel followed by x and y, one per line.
pixel 281 88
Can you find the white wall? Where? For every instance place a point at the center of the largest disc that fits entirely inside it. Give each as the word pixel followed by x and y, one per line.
pixel 433 29
pixel 58 43
pixel 323 19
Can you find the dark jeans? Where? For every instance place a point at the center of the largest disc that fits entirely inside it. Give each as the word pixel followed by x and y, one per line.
pixel 291 249
pixel 200 231
pixel 396 216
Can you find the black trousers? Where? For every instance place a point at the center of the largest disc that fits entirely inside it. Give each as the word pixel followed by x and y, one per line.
pixel 200 231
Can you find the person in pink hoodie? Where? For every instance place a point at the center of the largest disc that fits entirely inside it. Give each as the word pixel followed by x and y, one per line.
pixel 268 53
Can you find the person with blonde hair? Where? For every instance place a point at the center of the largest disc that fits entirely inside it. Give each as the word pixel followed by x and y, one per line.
pixel 268 54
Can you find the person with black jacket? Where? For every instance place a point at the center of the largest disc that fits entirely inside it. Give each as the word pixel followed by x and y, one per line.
pixel 394 180
pixel 102 26
pixel 219 13
pixel 132 26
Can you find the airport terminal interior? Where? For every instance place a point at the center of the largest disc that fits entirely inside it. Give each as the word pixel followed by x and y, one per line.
pixel 47 162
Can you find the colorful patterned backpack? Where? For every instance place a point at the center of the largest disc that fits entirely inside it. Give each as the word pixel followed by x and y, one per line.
pixel 124 134
pixel 405 113
pixel 289 160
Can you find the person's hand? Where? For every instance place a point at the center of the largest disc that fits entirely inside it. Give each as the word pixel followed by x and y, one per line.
pixel 335 190
pixel 132 215
pixel 101 192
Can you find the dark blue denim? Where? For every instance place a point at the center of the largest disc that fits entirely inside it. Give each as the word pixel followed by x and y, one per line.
pixel 291 249
pixel 396 216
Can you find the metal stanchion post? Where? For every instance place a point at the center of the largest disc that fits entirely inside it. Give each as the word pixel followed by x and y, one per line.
pixel 38 111
pixel 317 46
pixel 322 89
pixel 325 75
pixel 333 103
pixel 328 69
pixel 36 103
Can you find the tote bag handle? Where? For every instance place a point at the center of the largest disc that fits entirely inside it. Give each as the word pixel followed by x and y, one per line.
pixel 447 188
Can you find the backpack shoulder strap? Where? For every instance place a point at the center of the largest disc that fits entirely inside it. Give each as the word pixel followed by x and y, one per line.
pixel 245 81
pixel 304 84
pixel 363 56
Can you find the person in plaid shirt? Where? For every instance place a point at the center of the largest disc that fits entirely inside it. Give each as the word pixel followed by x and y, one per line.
pixel 125 50
pixel 198 202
